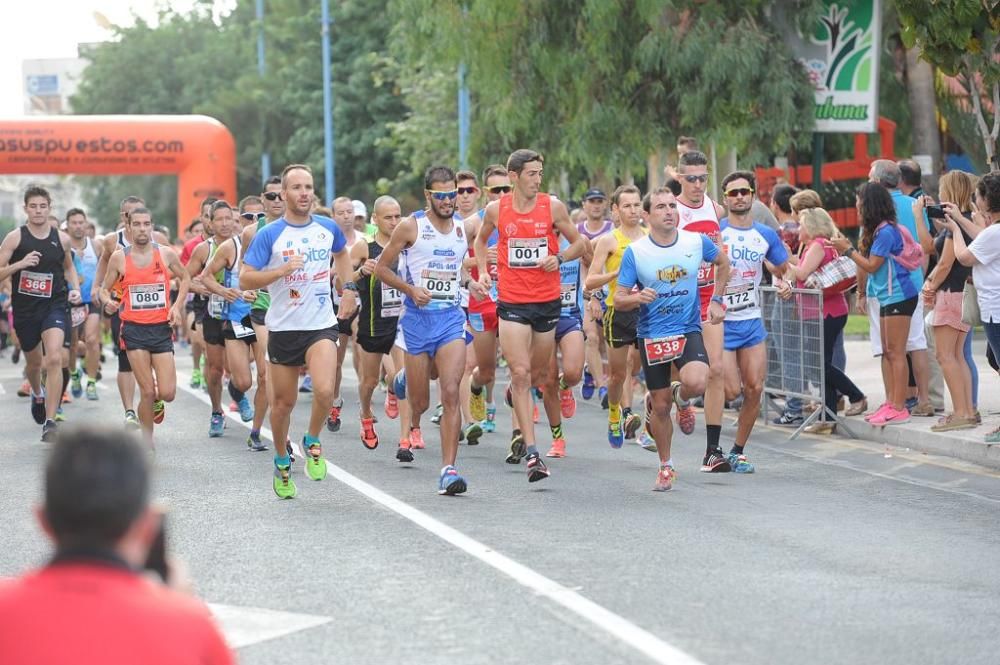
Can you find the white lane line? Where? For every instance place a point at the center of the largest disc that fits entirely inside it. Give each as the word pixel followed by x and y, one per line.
pixel 244 626
pixel 657 650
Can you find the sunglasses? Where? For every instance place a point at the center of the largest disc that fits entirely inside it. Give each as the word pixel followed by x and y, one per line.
pixel 500 189
pixel 272 196
pixel 252 216
pixel 696 178
pixel 442 196
pixel 468 190
pixel 739 191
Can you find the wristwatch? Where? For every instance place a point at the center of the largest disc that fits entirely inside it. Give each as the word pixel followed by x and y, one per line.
pixel 720 301
pixel 850 250
pixel 560 258
pixel 350 286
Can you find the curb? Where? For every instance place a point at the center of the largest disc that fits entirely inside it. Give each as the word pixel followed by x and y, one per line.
pixel 968 450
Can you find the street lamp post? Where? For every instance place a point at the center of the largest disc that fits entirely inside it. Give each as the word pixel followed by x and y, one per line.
pixel 331 192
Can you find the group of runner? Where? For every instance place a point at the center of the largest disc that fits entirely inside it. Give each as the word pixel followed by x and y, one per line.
pixel 271 287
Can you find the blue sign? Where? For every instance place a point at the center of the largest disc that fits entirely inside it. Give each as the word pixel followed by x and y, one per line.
pixel 43 85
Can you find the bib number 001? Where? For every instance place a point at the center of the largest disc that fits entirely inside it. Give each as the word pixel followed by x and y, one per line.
pixel 526 252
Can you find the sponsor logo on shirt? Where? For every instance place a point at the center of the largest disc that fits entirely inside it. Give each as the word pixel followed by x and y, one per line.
pixel 673 274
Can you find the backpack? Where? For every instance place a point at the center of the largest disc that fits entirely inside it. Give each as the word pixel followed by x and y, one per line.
pixel 912 256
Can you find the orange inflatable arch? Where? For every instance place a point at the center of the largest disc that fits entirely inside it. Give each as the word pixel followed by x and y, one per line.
pixel 196 148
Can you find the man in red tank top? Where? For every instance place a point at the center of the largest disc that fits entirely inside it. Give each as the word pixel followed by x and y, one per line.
pixel 701 214
pixel 528 260
pixel 145 269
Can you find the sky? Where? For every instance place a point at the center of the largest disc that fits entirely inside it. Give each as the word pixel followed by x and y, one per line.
pixel 53 28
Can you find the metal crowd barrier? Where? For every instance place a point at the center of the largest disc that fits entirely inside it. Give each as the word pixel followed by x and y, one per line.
pixel 795 366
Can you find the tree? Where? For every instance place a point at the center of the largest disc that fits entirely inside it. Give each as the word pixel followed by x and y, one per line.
pixel 962 38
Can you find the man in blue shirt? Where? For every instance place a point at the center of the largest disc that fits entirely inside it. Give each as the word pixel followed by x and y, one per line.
pixel 659 275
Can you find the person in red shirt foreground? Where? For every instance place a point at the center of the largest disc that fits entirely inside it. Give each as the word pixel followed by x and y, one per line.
pixel 92 603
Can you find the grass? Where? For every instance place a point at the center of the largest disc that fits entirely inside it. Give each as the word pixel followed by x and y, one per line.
pixel 857 326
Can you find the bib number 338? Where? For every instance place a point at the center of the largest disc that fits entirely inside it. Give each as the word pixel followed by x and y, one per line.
pixel 661 350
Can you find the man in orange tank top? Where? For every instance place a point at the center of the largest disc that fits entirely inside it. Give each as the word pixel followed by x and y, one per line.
pixel 528 260
pixel 145 269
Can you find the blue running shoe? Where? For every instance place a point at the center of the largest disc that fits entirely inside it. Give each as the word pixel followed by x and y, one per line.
pixel 216 425
pixel 76 388
pixel 739 463
pixel 399 384
pixel 603 394
pixel 588 387
pixel 616 437
pixel 246 409
pixel 490 424
pixel 255 443
pixel 307 385
pixel 451 483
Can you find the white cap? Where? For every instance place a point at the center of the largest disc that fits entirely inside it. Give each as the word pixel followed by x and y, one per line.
pixel 359 208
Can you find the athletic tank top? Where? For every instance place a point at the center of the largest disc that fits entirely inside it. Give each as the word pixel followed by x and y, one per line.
pixel 486 304
pixel 263 301
pixel 234 311
pixel 216 304
pixel 525 239
pixel 121 239
pixel 37 290
pixel 379 304
pixel 582 228
pixel 86 268
pixel 614 262
pixel 146 296
pixel 570 289
pixel 702 219
pixel 434 262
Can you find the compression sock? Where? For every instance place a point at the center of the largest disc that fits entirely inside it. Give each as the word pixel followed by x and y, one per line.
pixel 235 394
pixel 714 432
pixel 557 432
pixel 737 449
pixel 614 412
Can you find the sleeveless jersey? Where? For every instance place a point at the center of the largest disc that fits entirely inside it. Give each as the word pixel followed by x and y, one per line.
pixel 614 261
pixel 86 268
pixel 234 311
pixel 582 228
pixel 526 238
pixel 570 289
pixel 379 304
pixel 120 238
pixel 263 300
pixel 486 304
pixel 146 291
pixel 37 290
pixel 216 304
pixel 434 262
pixel 702 219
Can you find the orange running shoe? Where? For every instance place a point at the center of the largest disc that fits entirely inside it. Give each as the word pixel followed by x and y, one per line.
pixel 416 439
pixel 391 406
pixel 368 435
pixel 558 448
pixel 66 398
pixel 567 403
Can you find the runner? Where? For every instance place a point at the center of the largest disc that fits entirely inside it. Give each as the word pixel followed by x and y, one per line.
pixel 528 260
pixel 87 253
pixel 45 283
pixel 198 301
pixel 472 404
pixel 377 322
pixel 433 246
pixel 752 247
pixel 699 213
pixel 274 208
pixel 596 224
pixel 291 258
pixel 141 273
pixel 619 327
pixel 664 267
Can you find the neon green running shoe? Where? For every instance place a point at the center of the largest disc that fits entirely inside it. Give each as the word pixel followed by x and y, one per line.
pixel 315 464
pixel 284 486
pixel 196 378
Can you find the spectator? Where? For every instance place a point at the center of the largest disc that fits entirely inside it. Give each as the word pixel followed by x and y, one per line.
pixel 816 230
pixel 983 256
pixel 894 289
pixel 910 178
pixel 91 602
pixel 943 291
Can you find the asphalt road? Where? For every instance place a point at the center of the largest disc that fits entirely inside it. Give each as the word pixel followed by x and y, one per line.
pixel 831 552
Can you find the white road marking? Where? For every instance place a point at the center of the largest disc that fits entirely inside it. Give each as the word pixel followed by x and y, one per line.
pixel 656 649
pixel 244 626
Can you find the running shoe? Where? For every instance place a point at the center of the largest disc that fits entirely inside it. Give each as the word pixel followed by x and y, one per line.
pixel 49 431
pixel 315 464
pixel 788 419
pixel 391 406
pixel 216 425
pixel 925 410
pixel 632 423
pixel 738 463
pixel 508 396
pixel 246 409
pixel 472 433
pixel 438 412
pixel 910 403
pixel 254 442
pixel 602 393
pixel 534 413
pixel 59 417
pixel 558 448
pixel 416 439
pixel 567 402
pixel 159 410
pixel 536 468
pixel 15 357
pixel 716 462
pixel 588 387
pixel 399 384
pixel 403 453
pixel 289 450
pixel 490 424
pixel 38 408
pixel 664 479
pixel 517 449
pixel 685 412
pixel 890 416
pixel 477 405
pixel 333 420
pixel 92 391
pixel 25 390
pixel 75 387
pixel 645 441
pixel 368 435
pixel 877 412
pixel 451 483
pixel 616 437
pixel 66 399
pixel 196 379
pixel 131 420
pixel 307 385
pixel 284 486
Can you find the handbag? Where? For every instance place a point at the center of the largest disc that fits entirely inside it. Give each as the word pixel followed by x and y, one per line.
pixel 837 276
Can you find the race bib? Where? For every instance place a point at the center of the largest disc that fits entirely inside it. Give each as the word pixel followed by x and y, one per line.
pixel 78 315
pixel 526 252
pixel 740 296
pixel 216 305
pixel 567 295
pixel 442 284
pixel 241 330
pixel 145 297
pixel 706 274
pixel 37 284
pixel 392 301
pixel 661 350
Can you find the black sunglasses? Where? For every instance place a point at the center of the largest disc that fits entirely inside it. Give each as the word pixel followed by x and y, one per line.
pixel 272 196
pixel 252 216
pixel 500 189
pixel 468 190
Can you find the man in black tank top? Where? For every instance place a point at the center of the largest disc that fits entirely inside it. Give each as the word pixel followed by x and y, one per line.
pixel 44 283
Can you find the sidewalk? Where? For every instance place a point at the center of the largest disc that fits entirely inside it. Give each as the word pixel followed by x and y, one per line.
pixel 966 445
